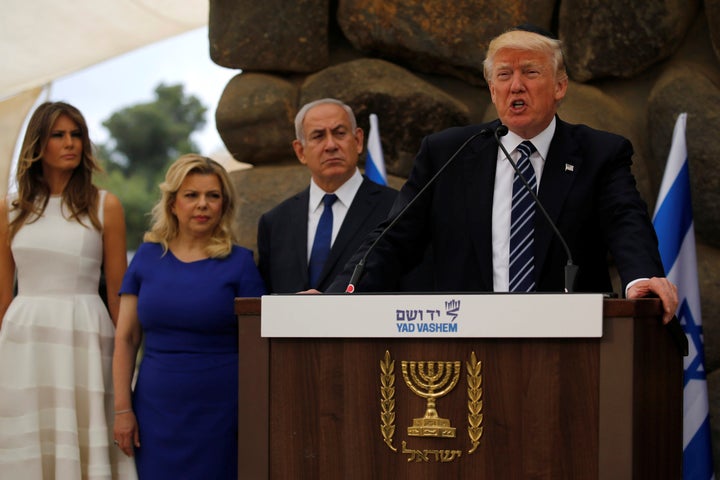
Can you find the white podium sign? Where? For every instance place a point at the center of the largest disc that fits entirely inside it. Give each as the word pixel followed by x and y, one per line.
pixel 435 315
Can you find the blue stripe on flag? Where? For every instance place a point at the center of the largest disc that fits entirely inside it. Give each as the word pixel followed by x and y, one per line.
pixel 697 453
pixel 371 170
pixel 674 217
pixel 375 160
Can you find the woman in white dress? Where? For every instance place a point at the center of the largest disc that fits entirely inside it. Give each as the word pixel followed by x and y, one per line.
pixel 56 336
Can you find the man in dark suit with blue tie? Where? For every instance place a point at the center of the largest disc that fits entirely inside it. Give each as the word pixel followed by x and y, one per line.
pixel 305 241
pixel 467 214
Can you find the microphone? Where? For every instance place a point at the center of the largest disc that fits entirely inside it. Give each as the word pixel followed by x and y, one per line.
pixel 360 267
pixel 570 269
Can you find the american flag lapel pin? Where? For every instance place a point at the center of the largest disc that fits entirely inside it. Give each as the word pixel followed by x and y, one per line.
pixel 569 167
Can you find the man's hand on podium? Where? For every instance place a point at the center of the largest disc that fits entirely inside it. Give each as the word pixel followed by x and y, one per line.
pixel 660 287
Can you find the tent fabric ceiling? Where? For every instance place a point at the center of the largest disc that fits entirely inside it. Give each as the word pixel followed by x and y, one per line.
pixel 12 115
pixel 41 40
pixel 45 39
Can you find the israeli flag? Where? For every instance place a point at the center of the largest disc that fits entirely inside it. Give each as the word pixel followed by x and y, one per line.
pixel 673 222
pixel 375 161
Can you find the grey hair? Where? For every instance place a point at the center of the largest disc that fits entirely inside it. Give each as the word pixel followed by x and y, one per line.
pixel 300 117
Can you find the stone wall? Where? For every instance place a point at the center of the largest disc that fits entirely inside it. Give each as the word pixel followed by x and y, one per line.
pixel 634 66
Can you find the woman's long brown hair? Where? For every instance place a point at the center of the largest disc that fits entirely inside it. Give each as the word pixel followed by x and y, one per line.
pixel 80 195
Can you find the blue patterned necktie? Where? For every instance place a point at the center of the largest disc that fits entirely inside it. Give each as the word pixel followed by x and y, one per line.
pixel 323 238
pixel 522 225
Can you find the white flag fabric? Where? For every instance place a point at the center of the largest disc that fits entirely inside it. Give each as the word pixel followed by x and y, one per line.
pixel 673 221
pixel 375 160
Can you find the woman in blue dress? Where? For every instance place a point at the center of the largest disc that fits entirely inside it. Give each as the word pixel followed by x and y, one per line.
pixel 180 420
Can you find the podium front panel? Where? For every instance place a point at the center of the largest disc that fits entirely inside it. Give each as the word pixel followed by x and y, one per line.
pixel 547 408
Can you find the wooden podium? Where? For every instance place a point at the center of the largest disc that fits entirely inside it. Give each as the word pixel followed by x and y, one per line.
pixel 541 408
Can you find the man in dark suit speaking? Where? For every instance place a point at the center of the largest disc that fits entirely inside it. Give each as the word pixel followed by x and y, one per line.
pixel 486 231
pixel 305 241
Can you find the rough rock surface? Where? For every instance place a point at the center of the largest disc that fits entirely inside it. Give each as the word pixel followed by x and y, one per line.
pixel 634 66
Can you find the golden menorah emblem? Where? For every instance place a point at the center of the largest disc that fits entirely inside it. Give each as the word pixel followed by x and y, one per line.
pixel 431 380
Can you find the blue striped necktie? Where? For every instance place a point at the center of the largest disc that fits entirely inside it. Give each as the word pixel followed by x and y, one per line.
pixel 522 224
pixel 323 239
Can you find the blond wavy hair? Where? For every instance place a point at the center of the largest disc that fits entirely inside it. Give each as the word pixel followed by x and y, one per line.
pixel 519 39
pixel 164 222
pixel 80 195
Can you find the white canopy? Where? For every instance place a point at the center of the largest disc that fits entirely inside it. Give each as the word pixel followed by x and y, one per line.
pixel 41 40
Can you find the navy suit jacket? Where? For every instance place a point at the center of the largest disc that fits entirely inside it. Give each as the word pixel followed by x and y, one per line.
pixel 586 187
pixel 282 237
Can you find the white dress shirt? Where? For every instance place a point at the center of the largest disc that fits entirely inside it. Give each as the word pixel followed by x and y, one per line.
pixel 502 199
pixel 346 194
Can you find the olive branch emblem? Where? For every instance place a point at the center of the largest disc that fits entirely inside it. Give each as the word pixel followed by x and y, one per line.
pixel 474 393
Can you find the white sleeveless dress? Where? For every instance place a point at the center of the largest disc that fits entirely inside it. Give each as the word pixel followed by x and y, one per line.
pixel 56 344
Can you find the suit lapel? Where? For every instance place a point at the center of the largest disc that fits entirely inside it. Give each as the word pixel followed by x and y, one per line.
pixel 359 210
pixel 298 228
pixel 562 164
pixel 479 166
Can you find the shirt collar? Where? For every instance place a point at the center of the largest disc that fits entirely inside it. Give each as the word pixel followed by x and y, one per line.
pixel 541 141
pixel 346 192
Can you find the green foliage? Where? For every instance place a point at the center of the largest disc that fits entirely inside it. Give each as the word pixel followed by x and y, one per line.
pixel 147 136
pixel 145 139
pixel 137 201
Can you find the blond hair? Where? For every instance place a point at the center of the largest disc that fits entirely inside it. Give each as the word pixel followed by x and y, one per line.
pixel 164 222
pixel 517 39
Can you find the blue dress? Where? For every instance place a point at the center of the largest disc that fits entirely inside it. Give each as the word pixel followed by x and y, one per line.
pixel 186 395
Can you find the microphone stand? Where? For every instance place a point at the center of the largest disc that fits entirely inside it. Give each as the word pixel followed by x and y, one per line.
pixel 570 269
pixel 360 267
